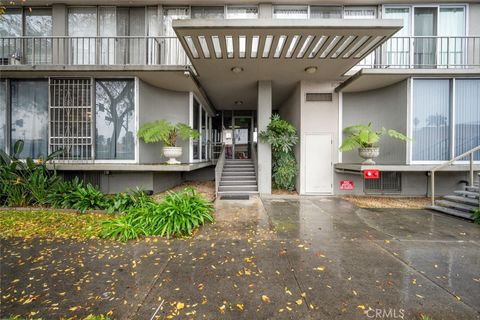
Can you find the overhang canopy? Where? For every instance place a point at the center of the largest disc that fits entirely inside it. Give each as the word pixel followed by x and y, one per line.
pixel 231 56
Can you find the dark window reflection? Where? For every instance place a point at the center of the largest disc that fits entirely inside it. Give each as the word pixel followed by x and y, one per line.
pixel 115 120
pixel 3 115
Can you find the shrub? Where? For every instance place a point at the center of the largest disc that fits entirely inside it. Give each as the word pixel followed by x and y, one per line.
pixel 177 215
pixel 76 195
pixel 25 182
pixel 282 136
pixel 121 202
pixel 476 216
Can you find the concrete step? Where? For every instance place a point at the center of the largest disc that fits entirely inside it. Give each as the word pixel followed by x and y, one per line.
pixel 238 178
pixel 239 173
pixel 452 212
pixel 462 199
pixel 240 166
pixel 468 194
pixel 238 182
pixel 472 188
pixel 238 169
pixel 238 188
pixel 234 193
pixel 456 205
pixel 239 161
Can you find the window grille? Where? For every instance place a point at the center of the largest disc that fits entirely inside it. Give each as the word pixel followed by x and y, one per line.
pixel 314 96
pixel 389 182
pixel 70 118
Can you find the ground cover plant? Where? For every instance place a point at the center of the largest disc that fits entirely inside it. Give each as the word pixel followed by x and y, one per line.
pixel 476 216
pixel 179 214
pixel 30 183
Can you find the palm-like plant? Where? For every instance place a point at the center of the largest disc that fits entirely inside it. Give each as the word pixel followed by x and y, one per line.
pixel 166 132
pixel 364 136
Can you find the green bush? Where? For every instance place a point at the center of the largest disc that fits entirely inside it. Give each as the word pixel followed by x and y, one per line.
pixel 76 195
pixel 26 182
pixel 282 137
pixel 284 171
pixel 177 215
pixel 121 202
pixel 476 216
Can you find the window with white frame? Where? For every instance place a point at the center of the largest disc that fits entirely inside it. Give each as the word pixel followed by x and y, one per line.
pixel 445 118
pixel 201 122
pixel 242 12
pixel 360 12
pixel 326 12
pixel 208 12
pixel 290 12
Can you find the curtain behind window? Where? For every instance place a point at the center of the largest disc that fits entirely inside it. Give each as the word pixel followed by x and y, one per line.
pixel 38 23
pixel 3 114
pixel 115 120
pixel 290 12
pixel 325 12
pixel 431 120
pixel 172 50
pixel 209 12
pixel 467 115
pixel 10 26
pixel 82 23
pixel 397 49
pixel 452 24
pixel 29 101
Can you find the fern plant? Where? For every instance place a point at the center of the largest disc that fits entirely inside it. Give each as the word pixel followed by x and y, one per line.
pixel 364 136
pixel 166 132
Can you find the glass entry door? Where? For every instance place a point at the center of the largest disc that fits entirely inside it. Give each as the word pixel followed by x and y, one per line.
pixel 242 137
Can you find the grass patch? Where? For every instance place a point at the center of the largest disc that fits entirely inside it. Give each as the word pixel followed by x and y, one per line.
pixel 28 224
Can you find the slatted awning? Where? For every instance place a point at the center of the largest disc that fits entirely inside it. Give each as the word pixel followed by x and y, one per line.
pixel 230 56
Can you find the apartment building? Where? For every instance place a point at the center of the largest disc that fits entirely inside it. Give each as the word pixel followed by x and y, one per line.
pixel 83 76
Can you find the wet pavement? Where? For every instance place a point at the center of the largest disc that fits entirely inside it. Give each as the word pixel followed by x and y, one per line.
pixel 310 258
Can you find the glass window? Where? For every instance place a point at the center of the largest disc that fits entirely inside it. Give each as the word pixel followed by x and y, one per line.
pixel 115 120
pixel 38 23
pixel 467 115
pixel 290 12
pixel 242 12
pixel 29 102
pixel 211 12
pixel 204 134
pixel 196 126
pixel 82 23
pixel 360 13
pixel 452 24
pixel 326 12
pixel 431 120
pixel 399 13
pixel 11 23
pixel 3 114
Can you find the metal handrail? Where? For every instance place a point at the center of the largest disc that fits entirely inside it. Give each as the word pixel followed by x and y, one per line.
pixel 219 169
pixel 92 50
pixel 469 153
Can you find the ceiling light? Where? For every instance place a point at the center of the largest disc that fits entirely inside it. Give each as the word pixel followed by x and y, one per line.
pixel 311 70
pixel 237 69
pixel 238 102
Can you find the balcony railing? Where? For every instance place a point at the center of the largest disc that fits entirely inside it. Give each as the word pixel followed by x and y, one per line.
pixel 92 51
pixel 425 52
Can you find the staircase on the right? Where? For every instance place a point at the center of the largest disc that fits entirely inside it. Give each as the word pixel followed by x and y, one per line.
pixel 460 204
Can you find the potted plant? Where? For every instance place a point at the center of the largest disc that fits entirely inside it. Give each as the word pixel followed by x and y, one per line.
pixel 365 138
pixel 168 133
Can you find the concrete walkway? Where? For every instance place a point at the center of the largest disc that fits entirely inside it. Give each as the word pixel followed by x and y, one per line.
pixel 310 258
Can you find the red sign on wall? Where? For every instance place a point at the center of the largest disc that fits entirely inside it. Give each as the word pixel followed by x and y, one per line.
pixel 371 174
pixel 346 185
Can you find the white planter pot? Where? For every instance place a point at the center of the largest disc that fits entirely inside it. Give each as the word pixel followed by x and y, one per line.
pixel 368 154
pixel 172 153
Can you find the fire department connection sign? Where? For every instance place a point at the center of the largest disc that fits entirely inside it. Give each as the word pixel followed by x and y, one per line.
pixel 346 185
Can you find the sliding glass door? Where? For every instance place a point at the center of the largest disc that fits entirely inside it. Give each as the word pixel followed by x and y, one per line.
pixel 425 27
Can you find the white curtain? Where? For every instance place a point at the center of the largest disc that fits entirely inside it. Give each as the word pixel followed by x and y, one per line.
pixel 29 102
pixel 431 120
pixel 360 13
pixel 82 23
pixel 107 28
pixel 452 25
pixel 3 114
pixel 242 12
pixel 208 12
pixel 10 26
pixel 172 50
pixel 325 12
pixel 467 115
pixel 397 49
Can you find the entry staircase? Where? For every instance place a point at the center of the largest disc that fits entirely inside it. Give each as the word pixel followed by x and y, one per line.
pixel 461 203
pixel 236 177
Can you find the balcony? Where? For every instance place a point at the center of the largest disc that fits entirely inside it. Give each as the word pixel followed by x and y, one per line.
pixel 425 53
pixel 93 51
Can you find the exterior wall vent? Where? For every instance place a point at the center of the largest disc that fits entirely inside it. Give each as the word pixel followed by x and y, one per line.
pixel 389 182
pixel 315 96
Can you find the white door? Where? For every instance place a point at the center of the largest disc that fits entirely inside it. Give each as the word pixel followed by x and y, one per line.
pixel 318 163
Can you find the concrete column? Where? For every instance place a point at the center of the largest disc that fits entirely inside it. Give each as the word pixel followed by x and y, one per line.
pixel 264 152
pixel 265 11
